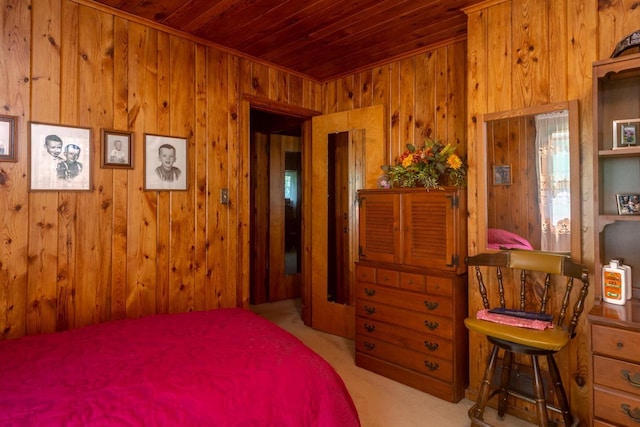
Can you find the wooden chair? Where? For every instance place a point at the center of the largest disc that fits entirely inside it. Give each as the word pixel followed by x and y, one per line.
pixel 522 340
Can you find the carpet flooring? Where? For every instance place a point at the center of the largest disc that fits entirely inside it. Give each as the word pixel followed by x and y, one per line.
pixel 381 402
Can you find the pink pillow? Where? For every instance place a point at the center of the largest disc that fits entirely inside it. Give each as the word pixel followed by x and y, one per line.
pixel 499 238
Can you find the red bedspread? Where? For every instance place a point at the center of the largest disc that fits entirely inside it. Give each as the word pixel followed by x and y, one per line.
pixel 226 367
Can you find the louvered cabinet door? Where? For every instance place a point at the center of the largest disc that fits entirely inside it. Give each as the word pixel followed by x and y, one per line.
pixel 380 227
pixel 432 228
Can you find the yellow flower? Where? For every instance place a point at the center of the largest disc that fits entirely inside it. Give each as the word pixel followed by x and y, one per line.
pixel 454 162
pixel 408 161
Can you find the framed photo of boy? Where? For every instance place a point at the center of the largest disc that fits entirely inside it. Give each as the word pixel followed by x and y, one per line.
pixel 117 149
pixel 625 133
pixel 165 163
pixel 8 138
pixel 59 157
pixel 628 204
pixel 502 175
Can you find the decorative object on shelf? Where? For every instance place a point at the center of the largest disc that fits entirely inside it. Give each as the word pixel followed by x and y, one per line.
pixel 383 180
pixel 502 175
pixel 59 157
pixel 8 138
pixel 625 133
pixel 426 166
pixel 629 42
pixel 628 204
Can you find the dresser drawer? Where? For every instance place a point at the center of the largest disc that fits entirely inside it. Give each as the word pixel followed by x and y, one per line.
pixel 431 304
pixel 439 286
pixel 365 273
pixel 610 405
pixel 413 282
pixel 434 325
pixel 617 343
pixel 388 277
pixel 420 362
pixel 624 376
pixel 407 338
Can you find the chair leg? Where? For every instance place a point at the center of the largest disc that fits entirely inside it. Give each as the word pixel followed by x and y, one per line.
pixel 505 380
pixel 476 412
pixel 563 402
pixel 538 391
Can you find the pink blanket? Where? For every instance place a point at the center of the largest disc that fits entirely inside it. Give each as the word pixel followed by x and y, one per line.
pixel 226 367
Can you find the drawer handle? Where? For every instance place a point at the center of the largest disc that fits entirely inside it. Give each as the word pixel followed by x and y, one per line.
pixel 634 415
pixel 431 305
pixel 431 366
pixel 633 380
pixel 369 328
pixel 620 344
pixel 369 310
pixel 369 292
pixel 369 345
pixel 431 325
pixel 431 346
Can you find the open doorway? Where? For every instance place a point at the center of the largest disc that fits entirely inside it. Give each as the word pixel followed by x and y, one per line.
pixel 276 206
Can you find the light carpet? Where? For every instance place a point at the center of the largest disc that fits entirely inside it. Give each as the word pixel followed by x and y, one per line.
pixel 381 402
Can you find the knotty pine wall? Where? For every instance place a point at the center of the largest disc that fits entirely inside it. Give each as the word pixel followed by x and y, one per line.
pixel 69 259
pixel 530 52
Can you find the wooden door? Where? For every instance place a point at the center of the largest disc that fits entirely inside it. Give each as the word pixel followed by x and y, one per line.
pixel 380 227
pixel 365 155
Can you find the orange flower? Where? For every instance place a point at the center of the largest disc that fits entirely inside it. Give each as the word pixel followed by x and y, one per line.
pixel 454 162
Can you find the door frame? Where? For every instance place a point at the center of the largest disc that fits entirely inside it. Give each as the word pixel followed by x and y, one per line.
pixel 244 169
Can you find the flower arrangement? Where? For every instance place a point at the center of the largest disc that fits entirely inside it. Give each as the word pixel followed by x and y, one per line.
pixel 425 165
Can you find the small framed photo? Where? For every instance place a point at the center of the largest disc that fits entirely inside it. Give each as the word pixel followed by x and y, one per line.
pixel 165 163
pixel 117 149
pixel 628 204
pixel 8 138
pixel 59 157
pixel 502 175
pixel 625 133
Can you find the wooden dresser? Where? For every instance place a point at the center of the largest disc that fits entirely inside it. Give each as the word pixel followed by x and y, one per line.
pixel 615 345
pixel 411 289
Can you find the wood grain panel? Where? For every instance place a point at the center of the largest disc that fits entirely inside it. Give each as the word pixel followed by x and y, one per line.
pixel 15 41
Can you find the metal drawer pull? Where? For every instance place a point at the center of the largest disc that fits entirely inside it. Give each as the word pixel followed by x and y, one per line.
pixel 431 346
pixel 634 415
pixel 431 366
pixel 431 325
pixel 369 328
pixel 633 380
pixel 369 292
pixel 369 345
pixel 369 310
pixel 431 305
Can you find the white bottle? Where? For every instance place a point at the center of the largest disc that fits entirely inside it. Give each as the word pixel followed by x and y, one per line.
pixel 627 269
pixel 614 283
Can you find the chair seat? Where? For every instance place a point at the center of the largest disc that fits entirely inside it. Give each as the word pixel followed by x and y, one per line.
pixel 553 339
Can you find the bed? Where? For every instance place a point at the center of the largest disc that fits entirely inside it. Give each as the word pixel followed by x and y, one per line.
pixel 498 238
pixel 226 367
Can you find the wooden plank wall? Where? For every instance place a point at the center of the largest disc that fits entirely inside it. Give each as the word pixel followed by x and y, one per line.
pixel 529 52
pixel 70 259
pixel 423 96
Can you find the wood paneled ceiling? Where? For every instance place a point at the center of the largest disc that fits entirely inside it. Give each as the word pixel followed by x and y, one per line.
pixel 322 39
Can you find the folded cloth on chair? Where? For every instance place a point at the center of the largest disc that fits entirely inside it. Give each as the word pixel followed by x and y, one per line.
pixel 513 321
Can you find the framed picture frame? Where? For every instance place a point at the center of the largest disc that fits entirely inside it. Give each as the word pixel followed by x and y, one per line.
pixel 59 157
pixel 117 149
pixel 625 133
pixel 8 138
pixel 502 175
pixel 628 204
pixel 165 163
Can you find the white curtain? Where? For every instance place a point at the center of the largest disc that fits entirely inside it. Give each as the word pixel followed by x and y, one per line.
pixel 552 146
